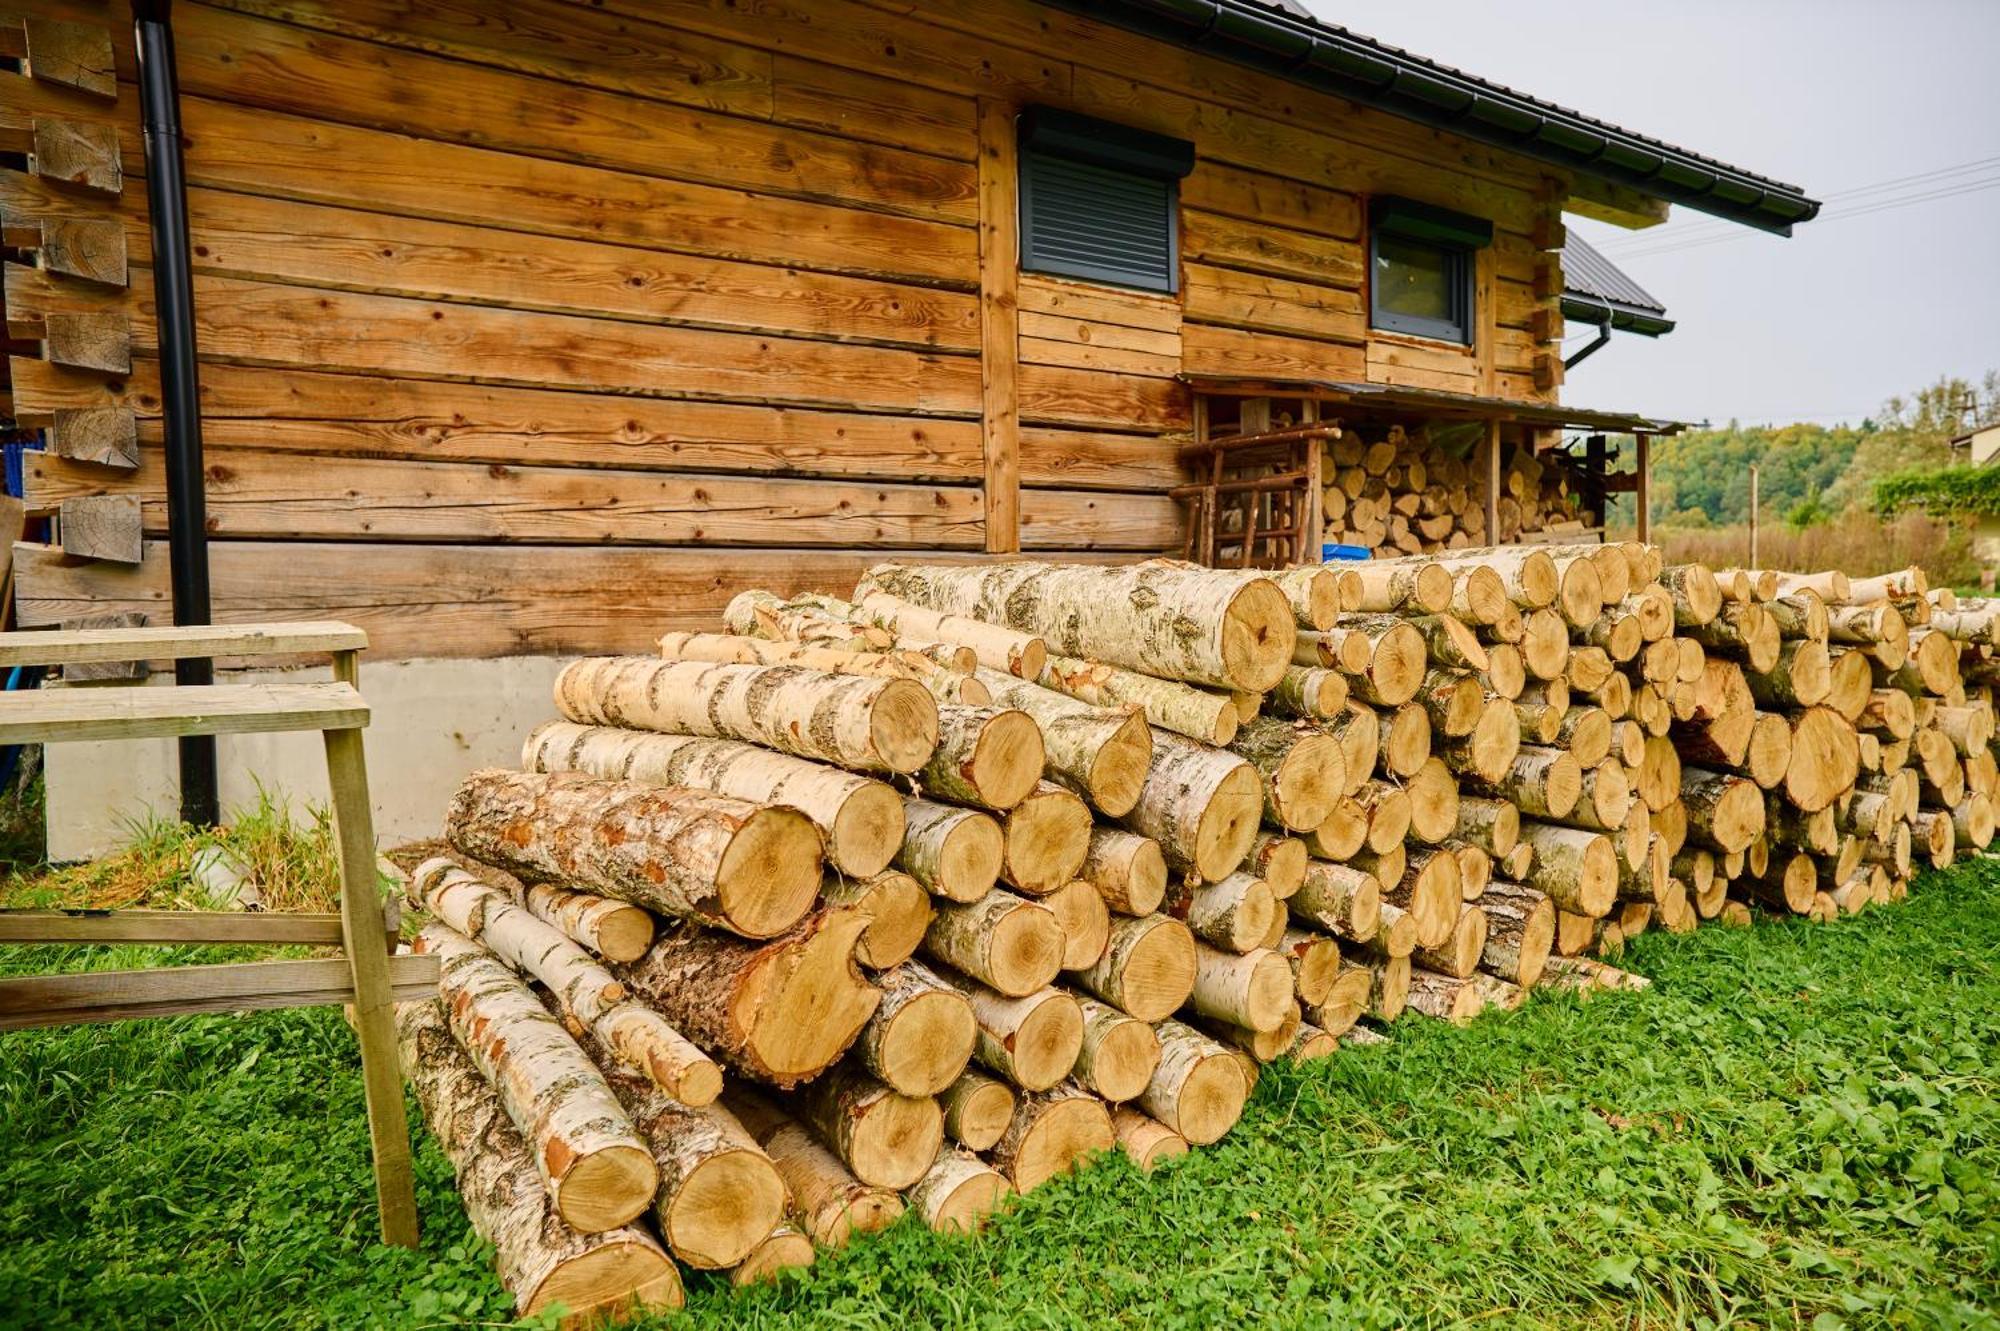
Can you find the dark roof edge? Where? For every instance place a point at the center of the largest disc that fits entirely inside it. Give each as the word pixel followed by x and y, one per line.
pixel 1626 318
pixel 1321 55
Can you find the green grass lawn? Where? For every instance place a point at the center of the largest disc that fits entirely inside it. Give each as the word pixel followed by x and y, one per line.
pixel 1797 1127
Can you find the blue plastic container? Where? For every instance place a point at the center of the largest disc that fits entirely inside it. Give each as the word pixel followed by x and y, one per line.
pixel 1327 552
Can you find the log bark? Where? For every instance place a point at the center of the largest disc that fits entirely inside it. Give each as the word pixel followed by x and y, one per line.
pixel 719 1194
pixel 778 1012
pixel 998 648
pixel 954 853
pixel 1303 770
pixel 1520 931
pixel 1008 942
pixel 1101 753
pixel 1136 616
pixel 1493 825
pixel 1127 869
pixel 1201 804
pixel 540 1258
pixel 1311 693
pixel 1148 967
pixel 1118 1055
pixel 1340 899
pixel 1197 713
pixel 885 1138
pixel 1577 870
pixel 1541 783
pixel 958 1192
pixel 826 1199
pixel 977 1109
pixel 1252 990
pixel 944 683
pixel 598 1171
pixel 860 819
pixel 1198 1089
pixel 615 930
pixel 1279 860
pixel 1147 1140
pixel 749 869
pixel 990 757
pixel 867 725
pixel 1052 1133
pixel 921 1035
pixel 590 996
pixel 1234 914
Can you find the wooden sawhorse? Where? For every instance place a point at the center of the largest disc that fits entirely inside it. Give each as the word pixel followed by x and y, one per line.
pixel 367 976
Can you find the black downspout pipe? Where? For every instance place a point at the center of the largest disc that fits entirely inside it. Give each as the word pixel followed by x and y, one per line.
pixel 180 393
pixel 1603 336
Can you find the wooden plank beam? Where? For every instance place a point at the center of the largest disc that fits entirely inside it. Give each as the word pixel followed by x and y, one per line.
pixel 176 927
pixel 47 716
pixel 1491 448
pixel 101 436
pixel 999 324
pixel 170 991
pixel 102 527
pixel 76 55
pixel 177 642
pixel 1643 486
pixel 78 153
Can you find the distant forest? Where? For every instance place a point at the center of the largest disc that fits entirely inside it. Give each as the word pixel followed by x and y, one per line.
pixel 1811 474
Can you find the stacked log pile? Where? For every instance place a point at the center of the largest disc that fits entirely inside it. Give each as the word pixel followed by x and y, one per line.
pixel 910 901
pixel 1396 493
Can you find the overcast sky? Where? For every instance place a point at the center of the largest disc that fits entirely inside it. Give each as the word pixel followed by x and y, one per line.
pixel 1831 95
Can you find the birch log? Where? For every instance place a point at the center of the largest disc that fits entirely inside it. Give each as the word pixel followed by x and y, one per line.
pixel 827 1200
pixel 955 853
pixel 977 1109
pixel 1342 900
pixel 998 648
pixel 1164 618
pixel 541 1259
pixel 1009 942
pixel 885 1138
pixel 1197 1090
pixel 944 683
pixel 1304 770
pixel 1046 838
pixel 1280 861
pixel 899 913
pixel 1315 962
pixel 1118 1054
pixel 1148 967
pixel 750 869
pixel 868 725
pixel 599 1173
pixel 1201 804
pixel 1312 693
pixel 1147 1140
pixel 1127 869
pixel 860 819
pixel 920 1037
pixel 1051 1133
pixel 1085 922
pixel 1234 914
pixel 1101 753
pixel 1032 1042
pixel 990 757
pixel 1200 714
pixel 615 930
pixel 785 1248
pixel 589 995
pixel 1577 870
pixel 958 1192
pixel 1252 990
pixel 779 1012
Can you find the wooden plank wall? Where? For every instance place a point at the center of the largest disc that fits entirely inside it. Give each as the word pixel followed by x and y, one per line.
pixel 509 320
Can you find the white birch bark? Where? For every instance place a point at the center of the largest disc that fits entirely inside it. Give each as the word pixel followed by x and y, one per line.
pixel 1201 804
pixel 955 853
pixel 997 646
pixel 868 725
pixel 1198 713
pixel 541 1259
pixel 598 1171
pixel 1101 753
pixel 860 818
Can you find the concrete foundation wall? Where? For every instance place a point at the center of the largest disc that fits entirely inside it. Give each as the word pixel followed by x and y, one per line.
pixel 432 722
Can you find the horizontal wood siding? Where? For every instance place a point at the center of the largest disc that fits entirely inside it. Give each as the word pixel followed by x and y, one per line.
pixel 508 314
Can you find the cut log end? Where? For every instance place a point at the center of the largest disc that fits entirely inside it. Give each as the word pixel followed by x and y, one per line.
pixel 1118 772
pixel 1148 969
pixel 596 1193
pixel 606 1281
pixel 925 1044
pixel 903 725
pixel 784 1249
pixel 769 875
pixel 1258 629
pixel 724 1206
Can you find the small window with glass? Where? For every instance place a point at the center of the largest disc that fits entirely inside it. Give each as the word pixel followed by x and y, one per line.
pixel 1420 269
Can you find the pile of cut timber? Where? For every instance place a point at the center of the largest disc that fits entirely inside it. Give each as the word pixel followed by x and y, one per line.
pixel 1399 494
pixel 912 900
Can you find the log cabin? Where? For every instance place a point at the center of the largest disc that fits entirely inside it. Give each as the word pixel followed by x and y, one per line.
pixel 511 332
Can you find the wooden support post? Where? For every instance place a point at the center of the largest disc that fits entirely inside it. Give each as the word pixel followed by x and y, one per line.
pixel 1314 521
pixel 1642 485
pixel 1493 482
pixel 368 954
pixel 999 325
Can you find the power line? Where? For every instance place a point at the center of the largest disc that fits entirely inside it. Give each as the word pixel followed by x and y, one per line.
pixel 1914 184
pixel 1865 210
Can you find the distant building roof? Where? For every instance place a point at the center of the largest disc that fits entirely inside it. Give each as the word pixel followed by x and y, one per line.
pixel 1278 37
pixel 1598 291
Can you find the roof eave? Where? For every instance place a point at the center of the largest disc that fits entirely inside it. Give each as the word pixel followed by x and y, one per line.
pixel 1320 55
pixel 1625 318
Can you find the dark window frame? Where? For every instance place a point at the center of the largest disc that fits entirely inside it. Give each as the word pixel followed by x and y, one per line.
pixel 1457 238
pixel 1120 157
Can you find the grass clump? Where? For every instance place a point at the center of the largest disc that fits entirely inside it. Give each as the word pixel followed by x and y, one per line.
pixel 1796 1127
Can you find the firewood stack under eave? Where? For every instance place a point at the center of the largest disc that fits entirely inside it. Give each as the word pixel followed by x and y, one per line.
pixel 915 899
pixel 1396 492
